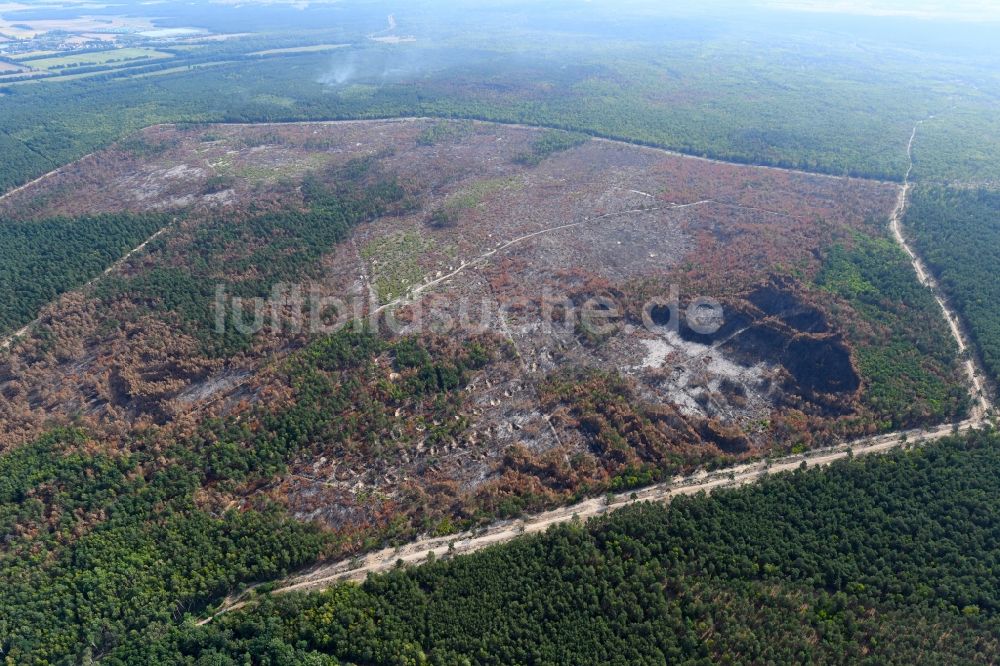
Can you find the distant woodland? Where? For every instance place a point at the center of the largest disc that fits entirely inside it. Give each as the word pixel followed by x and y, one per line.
pixel 698 109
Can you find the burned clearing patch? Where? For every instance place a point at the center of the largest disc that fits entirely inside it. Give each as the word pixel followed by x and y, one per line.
pixel 483 387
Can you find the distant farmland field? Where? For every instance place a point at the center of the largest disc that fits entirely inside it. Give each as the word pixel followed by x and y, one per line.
pixel 301 49
pixel 98 58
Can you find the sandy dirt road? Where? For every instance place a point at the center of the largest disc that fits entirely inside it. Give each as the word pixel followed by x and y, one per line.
pixel 327 575
pixel 982 403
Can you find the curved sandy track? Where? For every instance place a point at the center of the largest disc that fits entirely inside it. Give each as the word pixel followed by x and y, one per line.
pixel 325 576
pixel 974 373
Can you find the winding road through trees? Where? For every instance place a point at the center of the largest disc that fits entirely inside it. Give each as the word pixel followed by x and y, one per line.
pixel 973 370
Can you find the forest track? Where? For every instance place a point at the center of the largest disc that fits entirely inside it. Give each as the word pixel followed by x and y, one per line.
pixel 6 343
pixel 357 569
pixel 983 403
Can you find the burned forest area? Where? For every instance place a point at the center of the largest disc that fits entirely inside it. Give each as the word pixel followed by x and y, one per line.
pixel 423 358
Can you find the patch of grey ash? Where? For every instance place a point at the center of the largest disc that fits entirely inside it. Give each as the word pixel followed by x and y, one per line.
pixel 175 202
pixel 182 172
pixel 210 387
pixel 156 183
pixel 701 381
pixel 617 247
pixel 220 198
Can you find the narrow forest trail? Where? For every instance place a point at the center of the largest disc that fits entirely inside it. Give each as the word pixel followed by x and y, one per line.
pixel 974 372
pixel 5 343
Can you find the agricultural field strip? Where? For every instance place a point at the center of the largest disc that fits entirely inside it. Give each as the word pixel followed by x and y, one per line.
pixel 125 67
pixel 315 48
pixel 97 59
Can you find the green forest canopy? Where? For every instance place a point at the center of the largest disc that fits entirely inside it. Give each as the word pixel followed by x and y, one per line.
pixel 957 231
pixel 41 260
pixel 886 560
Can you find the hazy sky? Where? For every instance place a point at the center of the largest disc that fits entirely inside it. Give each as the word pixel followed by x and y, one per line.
pixel 967 10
